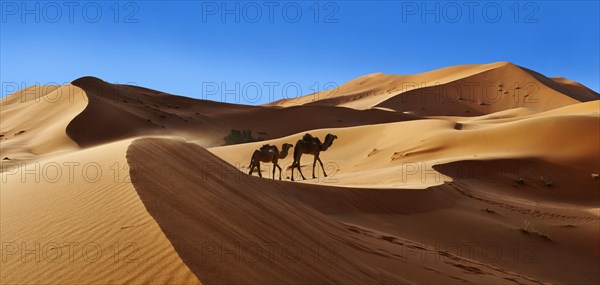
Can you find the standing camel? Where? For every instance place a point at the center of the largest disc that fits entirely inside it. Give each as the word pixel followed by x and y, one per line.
pixel 269 153
pixel 311 145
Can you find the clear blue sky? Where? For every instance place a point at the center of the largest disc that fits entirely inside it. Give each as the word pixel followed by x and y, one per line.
pixel 197 49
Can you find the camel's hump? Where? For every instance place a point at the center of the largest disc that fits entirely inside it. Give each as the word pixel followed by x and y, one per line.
pixel 265 146
pixel 307 137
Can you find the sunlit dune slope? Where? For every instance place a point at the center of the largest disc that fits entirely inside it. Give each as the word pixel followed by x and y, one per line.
pixel 34 120
pixel 78 220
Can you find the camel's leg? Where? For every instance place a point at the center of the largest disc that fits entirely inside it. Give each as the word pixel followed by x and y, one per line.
pixel 258 167
pixel 293 166
pixel 314 163
pixel 279 171
pixel 292 171
pixel 300 170
pixel 251 168
pixel 297 164
pixel 274 161
pixel 320 162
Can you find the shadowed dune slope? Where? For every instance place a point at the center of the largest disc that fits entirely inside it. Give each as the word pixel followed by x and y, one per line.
pixel 232 229
pixel 576 86
pixel 121 111
pixel 527 178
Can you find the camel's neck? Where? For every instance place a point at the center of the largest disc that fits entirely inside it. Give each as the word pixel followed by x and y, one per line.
pixel 326 145
pixel 283 153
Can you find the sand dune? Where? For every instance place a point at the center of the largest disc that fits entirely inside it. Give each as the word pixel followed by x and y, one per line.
pixel 117 184
pixel 34 120
pixel 122 111
pixel 465 90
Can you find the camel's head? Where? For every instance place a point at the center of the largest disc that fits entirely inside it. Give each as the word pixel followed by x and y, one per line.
pixel 284 150
pixel 329 140
pixel 330 137
pixel 287 146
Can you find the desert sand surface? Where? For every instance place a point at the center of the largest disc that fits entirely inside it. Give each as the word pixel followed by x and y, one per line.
pixel 477 174
pixel 88 226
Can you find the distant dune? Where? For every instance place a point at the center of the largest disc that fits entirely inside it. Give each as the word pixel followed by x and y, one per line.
pixel 121 111
pixel 481 173
pixel 465 90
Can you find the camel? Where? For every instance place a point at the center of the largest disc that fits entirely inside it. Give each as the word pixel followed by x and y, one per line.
pixel 313 146
pixel 269 153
